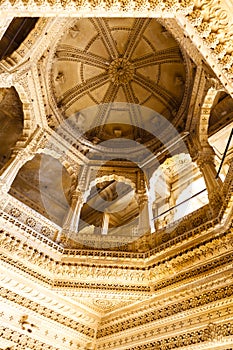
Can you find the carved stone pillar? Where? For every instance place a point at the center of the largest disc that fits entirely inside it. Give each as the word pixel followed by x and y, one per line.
pixel 105 223
pixel 171 204
pixel 155 211
pixel 144 220
pixel 151 214
pixel 71 222
pixel 205 162
pixel 98 228
pixel 84 178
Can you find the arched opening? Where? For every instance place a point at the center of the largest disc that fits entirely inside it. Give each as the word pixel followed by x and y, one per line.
pixel 11 121
pixel 174 190
pixel 110 204
pixel 219 132
pixel 188 200
pixel 221 114
pixel 43 184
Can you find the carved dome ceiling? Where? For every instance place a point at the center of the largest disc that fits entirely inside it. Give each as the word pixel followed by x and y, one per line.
pixel 123 66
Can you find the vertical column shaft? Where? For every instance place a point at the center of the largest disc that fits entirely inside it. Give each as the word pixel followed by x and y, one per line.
pixel 105 224
pixel 71 222
pixel 205 162
pixel 151 216
pixel 144 220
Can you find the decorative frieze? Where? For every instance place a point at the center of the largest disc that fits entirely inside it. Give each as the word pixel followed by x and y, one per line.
pixel 183 306
pixel 24 340
pixel 48 313
pixel 164 274
pixel 182 340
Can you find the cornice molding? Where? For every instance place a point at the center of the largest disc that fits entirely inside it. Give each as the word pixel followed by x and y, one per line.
pixel 190 338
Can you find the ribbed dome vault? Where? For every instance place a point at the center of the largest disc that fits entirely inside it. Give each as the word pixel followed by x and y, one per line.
pixel 105 61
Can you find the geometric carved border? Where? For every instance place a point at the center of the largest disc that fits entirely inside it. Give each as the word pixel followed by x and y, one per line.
pixel 133 284
pixel 23 340
pixel 48 313
pixel 188 339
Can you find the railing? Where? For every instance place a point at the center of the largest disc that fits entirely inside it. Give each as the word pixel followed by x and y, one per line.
pixel 225 153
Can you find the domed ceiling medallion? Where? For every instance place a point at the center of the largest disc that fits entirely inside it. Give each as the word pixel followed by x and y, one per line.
pixel 121 71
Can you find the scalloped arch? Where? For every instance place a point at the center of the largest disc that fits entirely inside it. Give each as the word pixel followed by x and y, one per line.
pixel 111 177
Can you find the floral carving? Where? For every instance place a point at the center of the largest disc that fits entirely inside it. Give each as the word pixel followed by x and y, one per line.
pixel 15 212
pixel 31 222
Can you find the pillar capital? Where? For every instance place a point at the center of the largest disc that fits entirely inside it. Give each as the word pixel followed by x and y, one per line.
pixel 213 83
pixel 215 199
pixel 206 156
pixel 25 153
pixel 71 222
pixel 6 80
pixel 11 168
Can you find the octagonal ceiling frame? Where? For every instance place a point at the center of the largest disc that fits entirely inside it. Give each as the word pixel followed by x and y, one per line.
pixel 200 21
